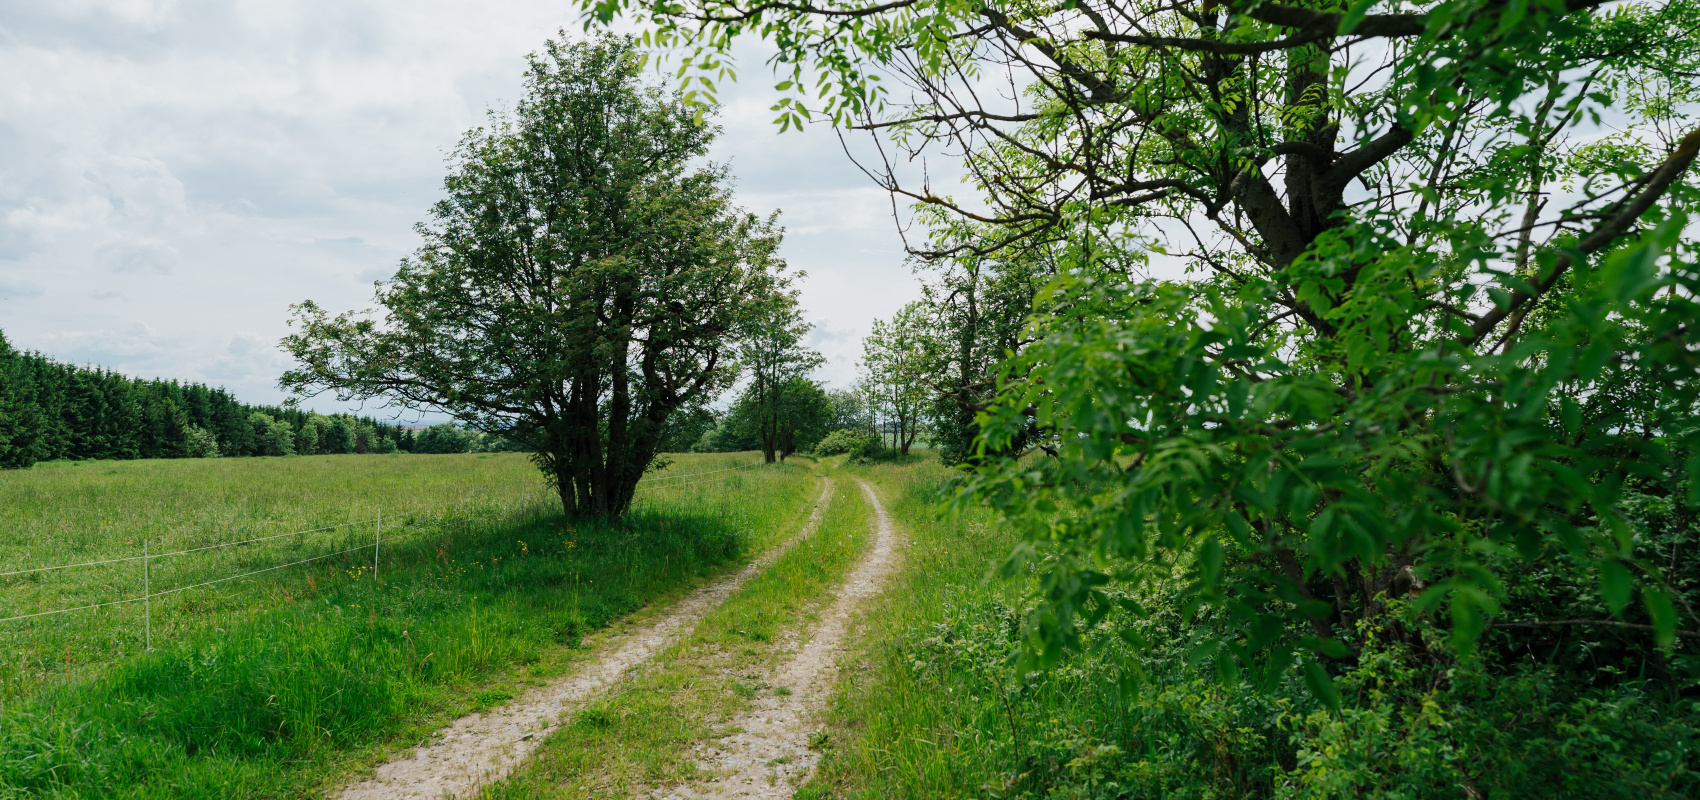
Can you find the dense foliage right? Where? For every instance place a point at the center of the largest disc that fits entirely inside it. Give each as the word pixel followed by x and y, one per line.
pixel 1362 343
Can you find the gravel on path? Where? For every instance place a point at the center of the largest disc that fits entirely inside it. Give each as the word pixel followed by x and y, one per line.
pixel 768 755
pixel 483 748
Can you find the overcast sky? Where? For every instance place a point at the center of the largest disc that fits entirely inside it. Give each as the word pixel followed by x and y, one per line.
pixel 173 175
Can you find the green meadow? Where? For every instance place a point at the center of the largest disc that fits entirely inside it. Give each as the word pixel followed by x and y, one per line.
pixel 281 683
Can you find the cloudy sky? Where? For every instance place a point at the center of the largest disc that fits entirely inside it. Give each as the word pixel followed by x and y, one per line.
pixel 174 174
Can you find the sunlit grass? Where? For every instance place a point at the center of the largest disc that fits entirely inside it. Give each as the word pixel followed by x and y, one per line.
pixel 275 684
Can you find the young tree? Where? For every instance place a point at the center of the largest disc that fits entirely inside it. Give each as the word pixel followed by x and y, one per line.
pixel 894 359
pixel 201 443
pixel 774 355
pixel 584 278
pixel 273 437
pixel 794 414
pixel 973 314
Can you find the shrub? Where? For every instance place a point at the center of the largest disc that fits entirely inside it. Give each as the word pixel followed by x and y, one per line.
pixel 858 445
pixel 200 442
pixel 448 438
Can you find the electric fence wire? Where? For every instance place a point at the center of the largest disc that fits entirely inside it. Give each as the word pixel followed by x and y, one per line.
pixel 177 553
pixel 663 480
pixel 151 595
pixel 261 539
pixel 657 483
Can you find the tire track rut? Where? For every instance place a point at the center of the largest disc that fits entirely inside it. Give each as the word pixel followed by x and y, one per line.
pixel 483 748
pixel 768 755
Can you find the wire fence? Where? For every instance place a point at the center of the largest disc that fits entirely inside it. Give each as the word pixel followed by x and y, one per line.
pixel 663 482
pixel 148 559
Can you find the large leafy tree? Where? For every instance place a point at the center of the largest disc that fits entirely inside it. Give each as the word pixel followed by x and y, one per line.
pixel 585 277
pixel 971 317
pixel 1358 302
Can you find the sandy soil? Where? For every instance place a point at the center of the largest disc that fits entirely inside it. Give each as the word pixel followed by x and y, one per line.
pixel 767 755
pixel 483 748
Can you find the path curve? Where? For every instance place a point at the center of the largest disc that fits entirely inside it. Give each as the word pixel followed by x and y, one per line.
pixel 480 749
pixel 769 755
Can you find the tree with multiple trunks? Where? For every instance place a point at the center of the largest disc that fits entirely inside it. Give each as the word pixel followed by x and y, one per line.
pixel 584 278
pixel 1361 306
pixel 775 358
pixel 894 358
pixel 787 418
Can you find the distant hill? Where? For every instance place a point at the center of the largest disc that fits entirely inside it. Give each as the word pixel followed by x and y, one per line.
pixel 51 410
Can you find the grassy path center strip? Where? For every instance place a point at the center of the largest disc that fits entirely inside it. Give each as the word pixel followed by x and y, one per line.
pixel 775 746
pixel 482 748
pixel 658 729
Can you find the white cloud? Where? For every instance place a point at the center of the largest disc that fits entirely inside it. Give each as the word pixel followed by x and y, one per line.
pixel 193 167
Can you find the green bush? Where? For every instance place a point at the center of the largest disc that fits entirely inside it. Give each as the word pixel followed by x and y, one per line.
pixel 447 438
pixel 858 445
pixel 200 442
pixel 1135 713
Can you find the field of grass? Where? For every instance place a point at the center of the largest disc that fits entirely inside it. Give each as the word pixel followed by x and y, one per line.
pixel 278 684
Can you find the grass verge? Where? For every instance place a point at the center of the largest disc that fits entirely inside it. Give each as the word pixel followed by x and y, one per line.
pixel 278 686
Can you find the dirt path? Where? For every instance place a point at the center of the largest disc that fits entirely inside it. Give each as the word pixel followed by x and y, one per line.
pixel 483 748
pixel 769 754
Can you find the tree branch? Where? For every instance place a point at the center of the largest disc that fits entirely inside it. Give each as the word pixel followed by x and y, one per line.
pixel 1656 186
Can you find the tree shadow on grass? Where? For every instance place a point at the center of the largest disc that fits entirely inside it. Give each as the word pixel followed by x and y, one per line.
pixel 275 680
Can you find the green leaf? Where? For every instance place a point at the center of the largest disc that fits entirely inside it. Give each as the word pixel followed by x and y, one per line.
pixel 1354 15
pixel 1210 561
pixel 1227 666
pixel 1334 648
pixel 1316 609
pixel 1321 685
pixel 1616 585
pixel 1663 614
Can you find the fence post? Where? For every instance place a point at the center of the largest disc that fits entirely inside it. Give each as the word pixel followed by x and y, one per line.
pixel 147 595
pixel 377 536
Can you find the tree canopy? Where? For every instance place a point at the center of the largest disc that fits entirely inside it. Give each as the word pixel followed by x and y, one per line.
pixel 586 276
pixel 1360 310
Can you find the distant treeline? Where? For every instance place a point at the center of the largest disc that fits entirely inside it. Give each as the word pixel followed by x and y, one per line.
pixel 50 410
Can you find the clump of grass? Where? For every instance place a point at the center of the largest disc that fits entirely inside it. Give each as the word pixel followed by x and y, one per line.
pixel 278 686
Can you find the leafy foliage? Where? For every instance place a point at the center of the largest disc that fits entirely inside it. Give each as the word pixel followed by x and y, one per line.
pixel 1434 329
pixel 857 444
pixel 939 713
pixel 780 406
pixel 585 278
pixel 781 420
pixel 893 359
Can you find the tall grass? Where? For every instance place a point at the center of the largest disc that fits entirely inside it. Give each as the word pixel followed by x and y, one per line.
pixel 276 685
